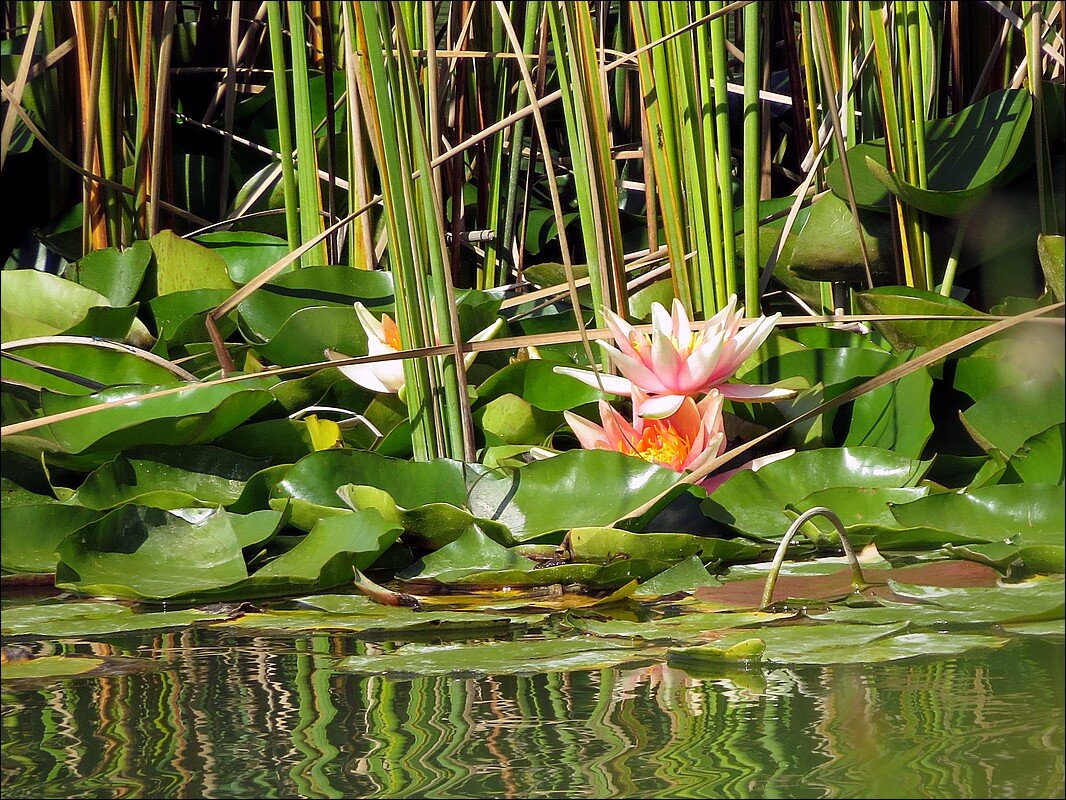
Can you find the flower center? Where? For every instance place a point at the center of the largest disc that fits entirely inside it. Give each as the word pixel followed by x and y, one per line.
pixel 662 444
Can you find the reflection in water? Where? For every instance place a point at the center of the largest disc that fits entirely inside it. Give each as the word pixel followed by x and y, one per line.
pixel 229 716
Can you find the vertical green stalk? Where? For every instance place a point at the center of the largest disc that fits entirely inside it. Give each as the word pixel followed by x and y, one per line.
pixel 585 109
pixel 724 154
pixel 306 155
pixel 655 86
pixel 281 100
pixel 752 158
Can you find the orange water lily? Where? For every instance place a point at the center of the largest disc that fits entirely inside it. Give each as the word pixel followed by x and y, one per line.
pixel 685 440
pixel 383 337
pixel 676 362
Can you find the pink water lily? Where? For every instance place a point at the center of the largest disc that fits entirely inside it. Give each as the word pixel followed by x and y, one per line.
pixel 676 362
pixel 685 440
pixel 383 337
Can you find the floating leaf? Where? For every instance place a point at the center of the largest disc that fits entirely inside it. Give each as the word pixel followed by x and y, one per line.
pixel 754 503
pixel 196 415
pixel 1052 252
pixel 147 553
pixel 968 153
pixel 685 576
pixel 114 273
pixel 33 525
pixel 536 382
pixel 246 253
pixel 1032 512
pixel 69 620
pixel 181 264
pixel 36 303
pixel 747 593
pixel 497 658
pixel 168 478
pixel 1006 417
pixel 905 301
pixel 93 361
pixel 49 667
pixel 556 494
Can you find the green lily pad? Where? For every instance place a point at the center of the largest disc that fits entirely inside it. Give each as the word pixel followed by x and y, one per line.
pixel 70 620
pixel 843 643
pixel 265 313
pixel 147 553
pixel 314 480
pixel 908 334
pixel 432 525
pixel 1033 513
pixel 497 658
pixel 356 614
pixel 1006 417
pixel 181 264
pixel 510 420
pixel 754 503
pixel 180 317
pixel 687 627
pixel 36 303
pixel 555 494
pixel 968 154
pixel 1052 252
pixel 92 361
pixel 168 478
pixel 536 382
pixel 114 273
pixel 685 576
pixel 49 667
pixel 1041 458
pixel 246 253
pixel 33 525
pixel 196 415
pixel 604 545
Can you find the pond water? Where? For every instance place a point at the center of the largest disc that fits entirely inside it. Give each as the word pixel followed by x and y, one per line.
pixel 215 713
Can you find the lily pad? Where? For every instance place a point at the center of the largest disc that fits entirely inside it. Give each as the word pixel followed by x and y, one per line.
pixel 114 273
pixel 685 576
pixel 196 415
pixel 168 478
pixel 1052 252
pixel 33 525
pixel 246 253
pixel 1006 417
pixel 181 264
pixel 536 382
pixel 39 304
pixel 968 154
pixel 908 334
pixel 555 495
pixel 49 667
pixel 97 365
pixel 147 553
pixel 497 658
pixel 70 620
pixel 754 503
pixel 1032 512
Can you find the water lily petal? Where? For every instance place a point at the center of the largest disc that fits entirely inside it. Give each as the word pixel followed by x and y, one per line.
pixel 612 384
pixel 591 435
pixel 636 370
pixel 752 393
pixel 629 339
pixel 370 323
pixel 660 407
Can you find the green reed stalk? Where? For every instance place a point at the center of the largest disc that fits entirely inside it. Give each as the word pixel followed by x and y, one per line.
pixel 285 143
pixel 752 158
pixel 533 17
pixel 657 92
pixel 435 393
pixel 720 72
pixel 585 109
pixel 306 155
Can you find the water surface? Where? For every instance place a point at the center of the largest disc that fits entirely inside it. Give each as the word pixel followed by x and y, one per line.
pixel 225 714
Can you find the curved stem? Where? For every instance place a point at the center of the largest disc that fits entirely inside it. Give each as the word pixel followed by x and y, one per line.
pixel 857 579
